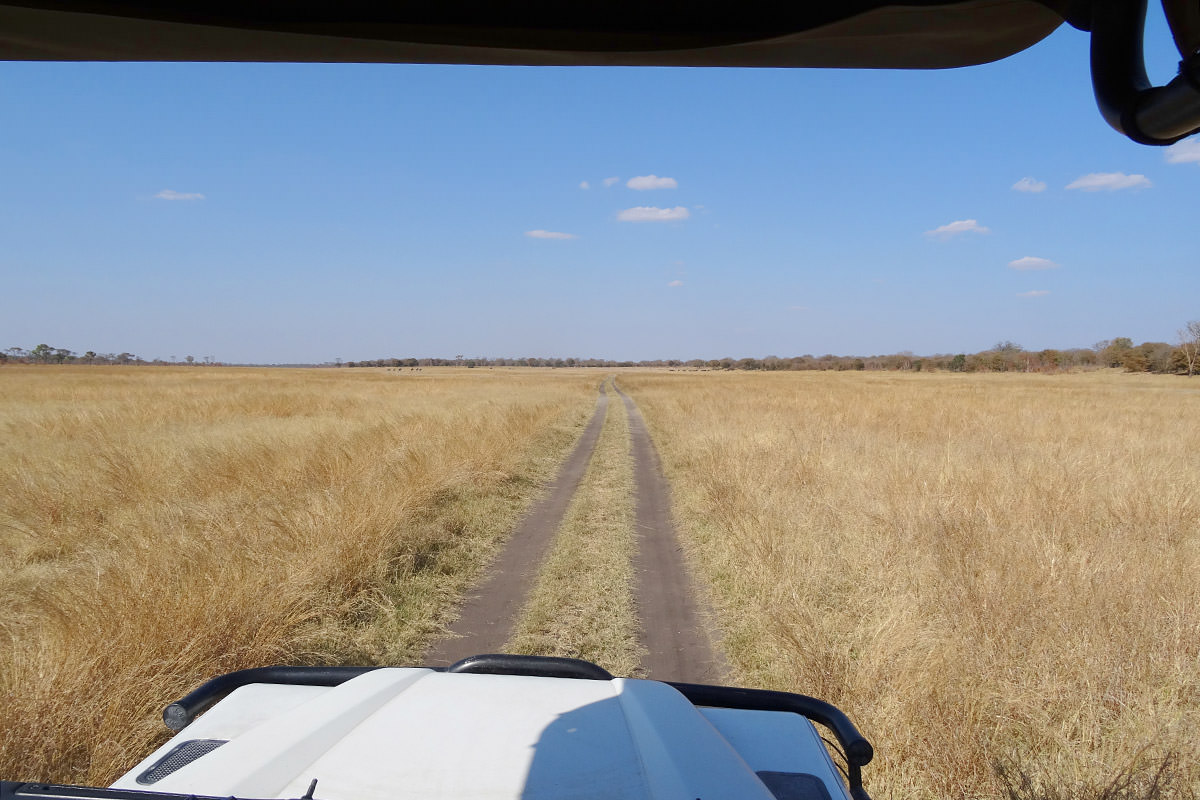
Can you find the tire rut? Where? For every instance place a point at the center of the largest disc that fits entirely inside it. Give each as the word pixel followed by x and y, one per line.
pixel 487 617
pixel 673 630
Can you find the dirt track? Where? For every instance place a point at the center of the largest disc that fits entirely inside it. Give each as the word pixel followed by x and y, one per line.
pixel 672 627
pixel 486 619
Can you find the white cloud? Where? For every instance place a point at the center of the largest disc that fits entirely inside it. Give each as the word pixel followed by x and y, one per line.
pixel 644 182
pixel 584 185
pixel 171 194
pixel 1109 182
pixel 675 283
pixel 1029 185
pixel 1032 262
pixel 1184 152
pixel 1034 293
pixel 610 181
pixel 957 227
pixel 540 234
pixel 653 214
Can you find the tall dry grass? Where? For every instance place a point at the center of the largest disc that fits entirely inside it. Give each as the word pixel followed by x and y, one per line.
pixel 159 526
pixel 997 577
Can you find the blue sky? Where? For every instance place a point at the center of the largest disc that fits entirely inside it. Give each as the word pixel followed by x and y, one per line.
pixel 301 213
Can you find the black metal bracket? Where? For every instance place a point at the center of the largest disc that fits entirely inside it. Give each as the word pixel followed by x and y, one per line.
pixel 1153 115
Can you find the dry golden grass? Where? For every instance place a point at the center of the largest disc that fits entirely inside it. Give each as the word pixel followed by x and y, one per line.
pixel 981 570
pixel 582 605
pixel 159 526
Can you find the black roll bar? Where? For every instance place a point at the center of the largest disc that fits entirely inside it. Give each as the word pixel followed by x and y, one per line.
pixel 536 666
pixel 180 714
pixel 855 747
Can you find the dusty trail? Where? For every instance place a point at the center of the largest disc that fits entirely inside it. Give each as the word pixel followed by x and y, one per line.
pixel 672 626
pixel 678 645
pixel 487 617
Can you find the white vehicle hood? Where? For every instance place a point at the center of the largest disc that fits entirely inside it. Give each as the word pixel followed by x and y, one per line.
pixel 395 734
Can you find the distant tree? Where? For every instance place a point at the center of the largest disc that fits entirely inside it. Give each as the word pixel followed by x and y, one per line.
pixel 1189 345
pixel 42 353
pixel 61 354
pixel 190 359
pixel 1158 356
pixel 1050 359
pixel 1113 353
pixel 1007 347
pixel 958 363
pixel 90 355
pixel 1134 360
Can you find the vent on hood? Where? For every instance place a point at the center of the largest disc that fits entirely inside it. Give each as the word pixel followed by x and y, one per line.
pixel 178 757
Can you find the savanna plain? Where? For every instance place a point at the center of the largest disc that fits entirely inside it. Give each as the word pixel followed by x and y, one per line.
pixel 994 575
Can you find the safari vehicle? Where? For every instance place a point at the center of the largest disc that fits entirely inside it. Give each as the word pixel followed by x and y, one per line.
pixel 491 726
pixel 507 726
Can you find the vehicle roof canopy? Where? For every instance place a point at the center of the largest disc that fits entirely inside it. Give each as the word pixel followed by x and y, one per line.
pixel 761 33
pixel 916 34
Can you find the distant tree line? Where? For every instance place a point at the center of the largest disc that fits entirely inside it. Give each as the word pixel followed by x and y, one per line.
pixel 1158 357
pixel 1181 357
pixel 45 354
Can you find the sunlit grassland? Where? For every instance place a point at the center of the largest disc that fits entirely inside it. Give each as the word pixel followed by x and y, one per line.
pixel 159 526
pixel 983 571
pixel 582 605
